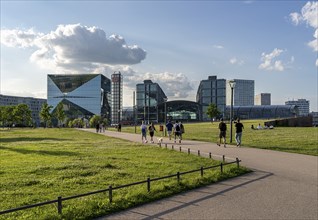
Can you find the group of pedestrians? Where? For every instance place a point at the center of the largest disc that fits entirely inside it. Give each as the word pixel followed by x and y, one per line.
pixel 177 129
pixel 238 132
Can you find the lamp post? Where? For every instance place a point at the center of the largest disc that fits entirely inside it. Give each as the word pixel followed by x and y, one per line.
pixel 232 85
pixel 165 100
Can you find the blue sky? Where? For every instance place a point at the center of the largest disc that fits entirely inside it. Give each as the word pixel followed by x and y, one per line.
pixel 173 43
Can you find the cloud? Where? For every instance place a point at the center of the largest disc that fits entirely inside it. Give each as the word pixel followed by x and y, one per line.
pixel 218 46
pixel 234 60
pixel 75 47
pixel 309 15
pixel 269 64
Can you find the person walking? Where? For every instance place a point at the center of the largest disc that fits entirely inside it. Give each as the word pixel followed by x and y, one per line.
pixel 152 130
pixel 181 130
pixel 177 132
pixel 169 127
pixel 143 128
pixel 238 133
pixel 222 128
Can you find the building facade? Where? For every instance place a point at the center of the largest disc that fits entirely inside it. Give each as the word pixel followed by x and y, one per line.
pixel 35 105
pixel 82 95
pixel 302 104
pixel 117 98
pixel 149 96
pixel 243 93
pixel 212 90
pixel 263 99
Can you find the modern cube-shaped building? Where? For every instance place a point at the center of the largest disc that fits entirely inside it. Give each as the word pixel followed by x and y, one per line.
pixel 243 92
pixel 82 95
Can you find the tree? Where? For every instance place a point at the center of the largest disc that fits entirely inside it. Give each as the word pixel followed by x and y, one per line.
pixel 212 111
pixel 59 113
pixel 22 115
pixel 45 114
pixel 94 120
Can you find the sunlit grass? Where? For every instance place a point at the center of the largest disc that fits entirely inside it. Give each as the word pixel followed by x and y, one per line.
pixel 38 165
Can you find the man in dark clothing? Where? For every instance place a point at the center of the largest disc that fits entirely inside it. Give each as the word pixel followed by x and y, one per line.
pixel 222 127
pixel 238 134
pixel 169 127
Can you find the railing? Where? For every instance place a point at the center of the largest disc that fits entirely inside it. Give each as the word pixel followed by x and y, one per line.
pixel 110 189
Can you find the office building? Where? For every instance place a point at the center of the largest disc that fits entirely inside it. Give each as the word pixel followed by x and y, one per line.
pixel 82 95
pixel 302 104
pixel 243 92
pixel 211 90
pixel 263 99
pixel 117 97
pixel 149 96
pixel 35 105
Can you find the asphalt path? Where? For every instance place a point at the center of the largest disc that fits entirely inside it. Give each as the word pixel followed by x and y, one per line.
pixel 281 186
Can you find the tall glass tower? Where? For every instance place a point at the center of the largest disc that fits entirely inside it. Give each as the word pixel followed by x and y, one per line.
pixel 117 97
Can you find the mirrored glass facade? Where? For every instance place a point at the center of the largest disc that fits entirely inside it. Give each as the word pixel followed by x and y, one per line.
pixel 82 95
pixel 117 98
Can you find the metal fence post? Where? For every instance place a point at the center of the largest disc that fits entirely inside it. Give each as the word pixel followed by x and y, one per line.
pixel 210 155
pixel 110 194
pixel 172 147
pixel 59 205
pixel 180 149
pixel 238 162
pixel 166 145
pixel 221 167
pixel 148 184
pixel 223 157
pixel 188 150
pixel 201 171
pixel 178 176
pixel 198 152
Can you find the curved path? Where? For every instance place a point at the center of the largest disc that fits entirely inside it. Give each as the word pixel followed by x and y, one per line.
pixel 282 186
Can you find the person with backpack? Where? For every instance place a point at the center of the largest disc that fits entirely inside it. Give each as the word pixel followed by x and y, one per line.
pixel 169 127
pixel 152 130
pixel 177 132
pixel 222 127
pixel 143 128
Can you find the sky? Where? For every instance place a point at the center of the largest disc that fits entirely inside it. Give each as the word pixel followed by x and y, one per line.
pixel 174 43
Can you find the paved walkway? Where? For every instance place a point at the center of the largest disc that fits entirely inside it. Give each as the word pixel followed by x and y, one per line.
pixel 282 186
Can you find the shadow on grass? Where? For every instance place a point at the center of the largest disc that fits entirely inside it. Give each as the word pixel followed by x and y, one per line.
pixel 15 139
pixel 40 152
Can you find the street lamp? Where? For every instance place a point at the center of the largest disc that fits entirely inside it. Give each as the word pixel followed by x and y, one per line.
pixel 165 100
pixel 232 85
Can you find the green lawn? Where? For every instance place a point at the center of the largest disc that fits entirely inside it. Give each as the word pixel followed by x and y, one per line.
pixel 302 140
pixel 38 165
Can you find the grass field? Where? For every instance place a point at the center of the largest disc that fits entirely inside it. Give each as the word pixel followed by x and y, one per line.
pixel 302 140
pixel 38 165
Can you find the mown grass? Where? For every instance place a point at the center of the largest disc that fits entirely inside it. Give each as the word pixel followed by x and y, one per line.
pixel 302 140
pixel 38 165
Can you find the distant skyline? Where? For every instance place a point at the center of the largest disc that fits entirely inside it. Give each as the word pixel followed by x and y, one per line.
pixel 174 43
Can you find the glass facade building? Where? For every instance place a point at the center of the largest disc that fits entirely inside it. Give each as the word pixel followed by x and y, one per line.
pixel 82 95
pixel 212 90
pixel 117 98
pixel 149 96
pixel 302 104
pixel 182 110
pixel 243 93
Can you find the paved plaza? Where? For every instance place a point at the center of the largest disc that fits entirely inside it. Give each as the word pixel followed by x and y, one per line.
pixel 282 186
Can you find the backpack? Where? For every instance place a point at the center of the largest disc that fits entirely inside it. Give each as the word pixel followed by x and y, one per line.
pixel 177 127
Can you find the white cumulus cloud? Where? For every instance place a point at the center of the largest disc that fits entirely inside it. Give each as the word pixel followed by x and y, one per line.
pixel 234 60
pixel 268 62
pixel 75 47
pixel 309 15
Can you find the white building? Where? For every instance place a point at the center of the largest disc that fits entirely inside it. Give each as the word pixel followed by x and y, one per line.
pixel 117 97
pixel 243 92
pixel 302 104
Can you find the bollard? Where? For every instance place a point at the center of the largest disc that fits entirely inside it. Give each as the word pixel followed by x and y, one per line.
pixel 210 155
pixel 201 171
pixel 188 150
pixel 166 145
pixel 221 167
pixel 172 147
pixel 198 152
pixel 59 205
pixel 110 189
pixel 178 176
pixel 180 149
pixel 223 157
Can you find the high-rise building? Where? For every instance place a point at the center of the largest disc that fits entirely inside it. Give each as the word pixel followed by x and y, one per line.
pixel 302 104
pixel 82 95
pixel 35 105
pixel 149 96
pixel 263 99
pixel 243 93
pixel 211 90
pixel 117 97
